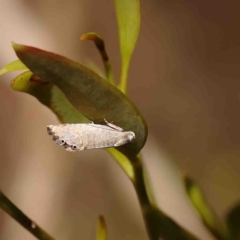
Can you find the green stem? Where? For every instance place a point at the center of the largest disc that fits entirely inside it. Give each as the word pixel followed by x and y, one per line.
pixel 140 188
pixel 21 218
pixel 139 183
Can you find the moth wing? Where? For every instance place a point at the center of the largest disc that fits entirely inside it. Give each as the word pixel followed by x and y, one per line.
pixel 68 136
pixel 120 142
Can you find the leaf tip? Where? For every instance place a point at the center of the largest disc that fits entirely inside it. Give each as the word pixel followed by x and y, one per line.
pixel 102 222
pixel 17 47
pixel 90 36
pixel 97 39
pixel 102 229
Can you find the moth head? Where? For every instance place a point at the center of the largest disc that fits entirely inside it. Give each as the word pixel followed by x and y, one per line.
pixel 130 136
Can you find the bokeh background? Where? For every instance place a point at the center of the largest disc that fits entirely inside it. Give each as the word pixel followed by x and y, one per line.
pixel 184 78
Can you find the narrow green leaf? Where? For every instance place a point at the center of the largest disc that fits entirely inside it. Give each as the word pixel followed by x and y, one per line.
pixel 99 42
pixel 123 161
pixel 87 92
pixel 21 218
pixel 128 17
pixel 49 95
pixel 13 66
pixel 102 229
pixel 206 213
pixel 233 222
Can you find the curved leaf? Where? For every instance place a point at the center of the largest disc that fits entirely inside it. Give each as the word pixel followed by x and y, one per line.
pixel 99 42
pixel 13 66
pixel 128 16
pixel 87 92
pixel 233 222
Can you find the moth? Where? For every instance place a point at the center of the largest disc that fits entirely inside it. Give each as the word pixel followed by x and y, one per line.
pixel 77 137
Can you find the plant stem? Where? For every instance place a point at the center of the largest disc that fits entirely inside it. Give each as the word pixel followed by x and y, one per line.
pixel 139 183
pixel 21 218
pixel 143 198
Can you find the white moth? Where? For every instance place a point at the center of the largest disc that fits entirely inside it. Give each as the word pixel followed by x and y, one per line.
pixel 77 137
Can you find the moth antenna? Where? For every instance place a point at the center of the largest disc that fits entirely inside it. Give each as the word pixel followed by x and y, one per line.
pixel 111 125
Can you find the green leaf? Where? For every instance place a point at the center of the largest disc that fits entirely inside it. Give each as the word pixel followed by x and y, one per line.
pixel 233 222
pixel 205 211
pixel 13 66
pixel 87 92
pixel 102 229
pixel 124 162
pixel 49 95
pixel 128 17
pixel 99 42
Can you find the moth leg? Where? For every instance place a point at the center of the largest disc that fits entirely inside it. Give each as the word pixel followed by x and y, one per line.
pixel 84 144
pixel 111 125
pixel 81 145
pixel 120 143
pixel 81 148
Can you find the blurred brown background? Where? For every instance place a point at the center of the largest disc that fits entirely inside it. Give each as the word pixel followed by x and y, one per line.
pixel 184 78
